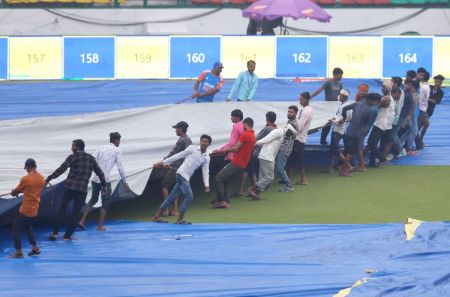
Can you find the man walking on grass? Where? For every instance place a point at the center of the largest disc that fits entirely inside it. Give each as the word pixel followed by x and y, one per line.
pixel 243 151
pixel 338 129
pixel 169 179
pixel 332 88
pixel 304 120
pixel 269 146
pixel 361 113
pixel 194 157
pixel 286 149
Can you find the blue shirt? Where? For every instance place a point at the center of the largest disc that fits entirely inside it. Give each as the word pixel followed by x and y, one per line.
pixel 245 85
pixel 208 81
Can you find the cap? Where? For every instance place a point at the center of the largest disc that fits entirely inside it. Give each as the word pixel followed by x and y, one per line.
pixel 181 124
pixel 363 88
pixel 439 77
pixel 388 85
pixel 218 64
pixel 344 92
pixel 30 163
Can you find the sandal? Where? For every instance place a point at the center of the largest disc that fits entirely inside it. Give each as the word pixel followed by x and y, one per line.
pixel 159 220
pixel 220 205
pixel 81 227
pixel 301 183
pixel 236 195
pixel 34 251
pixel 183 222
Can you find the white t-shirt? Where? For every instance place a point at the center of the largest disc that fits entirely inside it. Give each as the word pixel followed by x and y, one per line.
pixel 304 120
pixel 338 127
pixel 385 117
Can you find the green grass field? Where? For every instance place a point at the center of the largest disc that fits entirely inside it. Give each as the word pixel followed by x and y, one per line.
pixel 388 194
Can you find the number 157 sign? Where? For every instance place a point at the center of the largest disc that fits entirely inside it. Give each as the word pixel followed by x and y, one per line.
pixel 401 54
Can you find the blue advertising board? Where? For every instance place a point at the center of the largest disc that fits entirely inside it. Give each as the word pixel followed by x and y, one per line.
pixel 89 57
pixel 189 56
pixel 3 58
pixel 401 54
pixel 301 56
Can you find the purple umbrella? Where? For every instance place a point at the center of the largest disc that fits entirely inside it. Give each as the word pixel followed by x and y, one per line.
pixel 296 9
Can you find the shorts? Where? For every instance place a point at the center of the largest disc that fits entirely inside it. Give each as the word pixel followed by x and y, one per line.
pixel 387 137
pixel 351 144
pixel 423 118
pixel 298 154
pixel 169 179
pixel 106 198
pixel 253 165
pixel 334 146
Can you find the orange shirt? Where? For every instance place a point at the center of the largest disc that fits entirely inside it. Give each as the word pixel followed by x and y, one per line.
pixel 243 155
pixel 31 186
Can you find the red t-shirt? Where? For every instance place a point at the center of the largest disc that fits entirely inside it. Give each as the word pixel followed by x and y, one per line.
pixel 243 155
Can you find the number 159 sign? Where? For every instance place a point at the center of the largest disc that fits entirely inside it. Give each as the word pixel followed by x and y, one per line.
pixel 401 54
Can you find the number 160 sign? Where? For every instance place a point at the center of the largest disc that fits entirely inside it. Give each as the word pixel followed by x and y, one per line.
pixel 189 56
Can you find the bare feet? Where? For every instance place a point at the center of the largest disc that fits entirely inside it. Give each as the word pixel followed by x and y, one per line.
pixel 16 255
pixel 101 228
pixel 301 183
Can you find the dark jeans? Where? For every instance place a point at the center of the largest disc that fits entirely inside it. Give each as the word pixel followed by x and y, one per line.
pixel 223 179
pixel 421 121
pixel 374 138
pixel 79 199
pixel 334 146
pixel 324 133
pixel 299 154
pixel 106 198
pixel 23 223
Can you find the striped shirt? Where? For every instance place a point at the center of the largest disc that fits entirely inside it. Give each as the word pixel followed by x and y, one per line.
pixel 288 140
pixel 81 165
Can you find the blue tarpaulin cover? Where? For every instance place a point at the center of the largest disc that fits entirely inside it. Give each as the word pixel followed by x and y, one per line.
pixel 150 259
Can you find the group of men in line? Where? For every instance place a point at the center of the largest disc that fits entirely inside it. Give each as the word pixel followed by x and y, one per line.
pixel 397 122
pixel 81 166
pixel 246 154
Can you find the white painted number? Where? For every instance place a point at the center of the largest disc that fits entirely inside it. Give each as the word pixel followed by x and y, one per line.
pixel 90 58
pixel 196 58
pixel 408 58
pixel 302 57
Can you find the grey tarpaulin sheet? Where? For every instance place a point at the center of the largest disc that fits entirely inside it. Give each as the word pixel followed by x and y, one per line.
pixel 147 135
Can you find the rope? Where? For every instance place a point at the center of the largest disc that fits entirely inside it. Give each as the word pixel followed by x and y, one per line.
pixel 93 21
pixel 184 100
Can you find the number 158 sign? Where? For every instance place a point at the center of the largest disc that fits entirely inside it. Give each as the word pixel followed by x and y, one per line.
pixel 89 57
pixel 401 54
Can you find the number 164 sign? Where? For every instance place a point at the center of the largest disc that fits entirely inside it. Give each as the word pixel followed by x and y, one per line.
pixel 401 54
